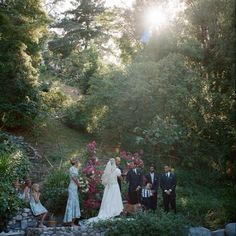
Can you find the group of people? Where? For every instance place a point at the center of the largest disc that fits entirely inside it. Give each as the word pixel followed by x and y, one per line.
pixel 30 193
pixel 142 190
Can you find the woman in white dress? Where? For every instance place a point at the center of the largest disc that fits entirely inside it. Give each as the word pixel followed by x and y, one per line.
pixel 72 208
pixel 111 205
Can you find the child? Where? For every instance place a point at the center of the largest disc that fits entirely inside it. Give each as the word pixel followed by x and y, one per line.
pixel 25 195
pixel 18 189
pixel 37 208
pixel 146 196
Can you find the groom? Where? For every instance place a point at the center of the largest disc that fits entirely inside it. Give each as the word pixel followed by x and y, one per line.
pixel 134 178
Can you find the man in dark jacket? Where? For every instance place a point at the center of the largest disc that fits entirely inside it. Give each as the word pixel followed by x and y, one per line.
pixel 168 184
pixel 152 177
pixel 135 179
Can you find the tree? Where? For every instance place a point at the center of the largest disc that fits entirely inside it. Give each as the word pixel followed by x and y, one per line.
pixel 177 94
pixel 22 30
pixel 80 26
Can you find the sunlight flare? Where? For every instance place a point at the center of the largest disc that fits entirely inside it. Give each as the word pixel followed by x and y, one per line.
pixel 156 17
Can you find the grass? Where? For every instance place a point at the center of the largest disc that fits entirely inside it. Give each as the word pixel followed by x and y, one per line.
pixel 56 142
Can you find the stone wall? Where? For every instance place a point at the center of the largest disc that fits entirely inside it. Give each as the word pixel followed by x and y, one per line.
pixel 63 231
pixel 22 220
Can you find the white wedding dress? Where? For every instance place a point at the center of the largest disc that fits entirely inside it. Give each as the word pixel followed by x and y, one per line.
pixel 111 205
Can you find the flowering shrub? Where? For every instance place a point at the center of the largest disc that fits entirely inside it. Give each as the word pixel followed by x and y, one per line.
pixel 91 147
pixel 90 183
pixel 92 172
pixel 135 157
pixel 83 185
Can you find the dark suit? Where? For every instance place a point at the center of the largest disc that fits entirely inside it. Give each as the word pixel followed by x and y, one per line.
pixel 168 183
pixel 155 183
pixel 118 179
pixel 134 180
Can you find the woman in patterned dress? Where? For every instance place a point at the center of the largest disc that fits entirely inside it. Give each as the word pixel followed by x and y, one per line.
pixel 72 208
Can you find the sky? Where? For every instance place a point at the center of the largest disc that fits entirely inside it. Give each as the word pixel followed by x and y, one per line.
pixel 64 5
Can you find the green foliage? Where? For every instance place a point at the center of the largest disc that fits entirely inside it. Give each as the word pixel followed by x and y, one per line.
pixel 54 193
pixel 204 200
pixel 77 117
pixel 54 100
pixel 79 68
pixel 172 99
pixel 81 25
pixel 147 224
pixel 14 165
pixel 22 30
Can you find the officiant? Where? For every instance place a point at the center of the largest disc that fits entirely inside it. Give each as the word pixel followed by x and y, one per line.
pixel 118 160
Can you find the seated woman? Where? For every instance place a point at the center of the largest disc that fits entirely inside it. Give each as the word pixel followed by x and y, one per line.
pixel 37 208
pixel 25 194
pixel 18 189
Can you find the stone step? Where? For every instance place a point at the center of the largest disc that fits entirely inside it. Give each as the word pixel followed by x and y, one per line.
pixel 63 231
pixel 13 233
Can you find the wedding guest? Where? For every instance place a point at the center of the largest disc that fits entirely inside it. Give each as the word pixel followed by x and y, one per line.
pixel 72 208
pixel 168 185
pixel 26 191
pixel 37 208
pixel 152 177
pixel 135 179
pixel 17 188
pixel 146 196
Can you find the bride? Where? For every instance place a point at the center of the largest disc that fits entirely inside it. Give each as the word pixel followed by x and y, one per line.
pixel 111 202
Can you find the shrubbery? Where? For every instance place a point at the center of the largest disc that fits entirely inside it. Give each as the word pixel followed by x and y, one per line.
pixel 204 200
pixel 54 194
pixel 77 117
pixel 55 186
pixel 14 165
pixel 158 223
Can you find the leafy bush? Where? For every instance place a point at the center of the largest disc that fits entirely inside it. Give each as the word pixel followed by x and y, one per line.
pixel 54 194
pixel 77 117
pixel 14 165
pixel 146 224
pixel 53 100
pixel 204 200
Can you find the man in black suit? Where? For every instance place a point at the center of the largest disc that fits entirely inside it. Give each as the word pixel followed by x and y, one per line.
pixel 152 177
pixel 168 184
pixel 135 179
pixel 118 166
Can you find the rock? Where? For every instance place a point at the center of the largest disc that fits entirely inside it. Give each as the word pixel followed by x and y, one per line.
pixel 199 231
pixel 218 232
pixel 24 214
pixel 32 224
pixel 24 224
pixel 230 229
pixel 18 217
pixel 26 210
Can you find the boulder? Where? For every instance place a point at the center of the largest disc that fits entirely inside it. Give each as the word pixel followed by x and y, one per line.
pixel 230 229
pixel 218 232
pixel 199 231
